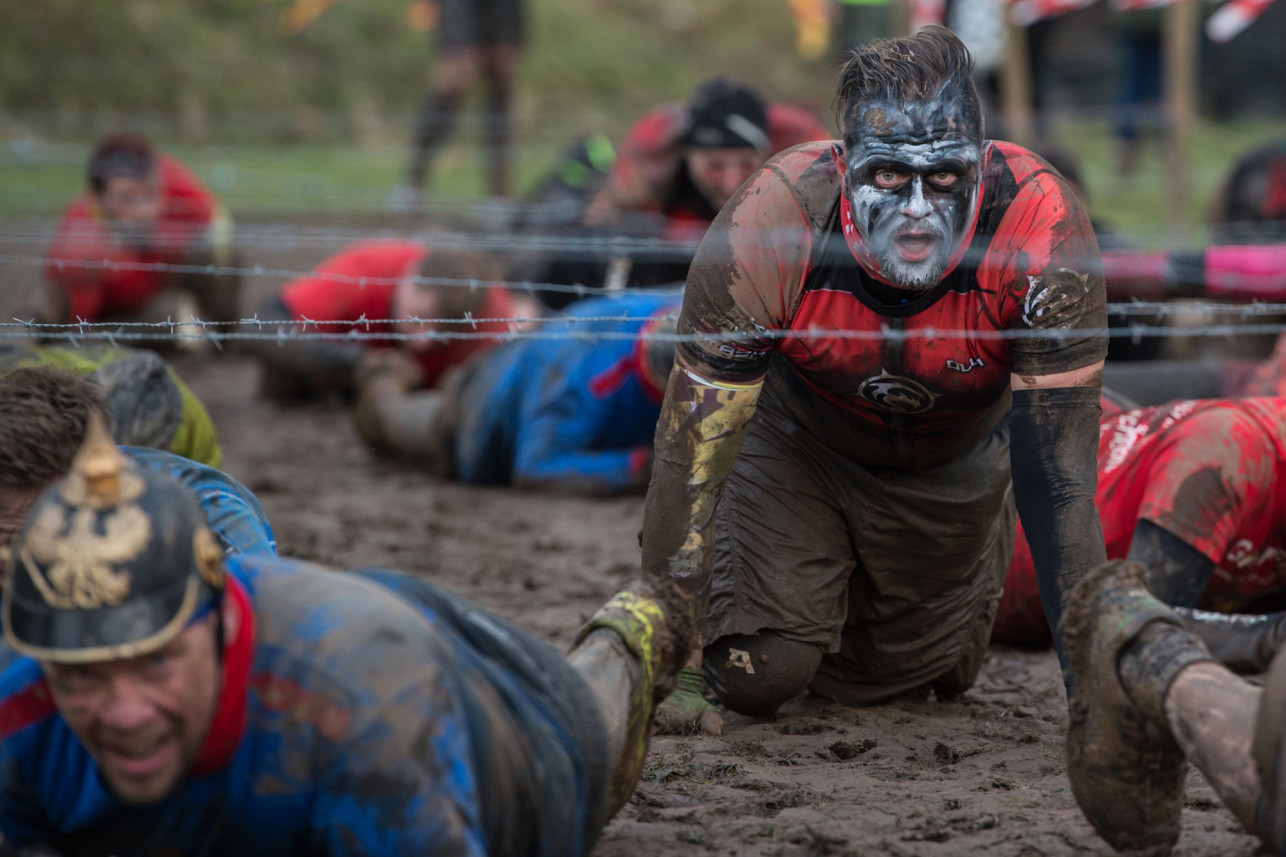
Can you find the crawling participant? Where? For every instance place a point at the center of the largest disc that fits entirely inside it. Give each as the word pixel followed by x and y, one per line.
pixel 1192 491
pixel 392 281
pixel 575 414
pixel 122 245
pixel 160 697
pixel 47 414
pixel 150 404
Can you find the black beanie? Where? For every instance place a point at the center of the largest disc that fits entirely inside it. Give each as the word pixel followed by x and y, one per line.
pixel 725 115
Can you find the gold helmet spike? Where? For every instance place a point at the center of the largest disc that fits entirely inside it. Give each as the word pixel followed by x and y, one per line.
pixel 100 476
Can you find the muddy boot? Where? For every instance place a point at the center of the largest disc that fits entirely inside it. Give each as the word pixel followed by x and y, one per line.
pixel 1269 751
pixel 1127 772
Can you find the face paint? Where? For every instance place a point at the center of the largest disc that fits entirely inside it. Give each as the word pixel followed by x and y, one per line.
pixel 912 186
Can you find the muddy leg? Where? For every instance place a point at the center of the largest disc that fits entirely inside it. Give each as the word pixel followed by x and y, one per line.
pixel 1211 713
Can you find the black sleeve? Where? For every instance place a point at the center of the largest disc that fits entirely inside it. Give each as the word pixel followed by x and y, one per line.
pixel 1053 450
pixel 1177 572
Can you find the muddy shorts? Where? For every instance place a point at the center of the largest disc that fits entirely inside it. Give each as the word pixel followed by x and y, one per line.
pixel 470 23
pixel 895 573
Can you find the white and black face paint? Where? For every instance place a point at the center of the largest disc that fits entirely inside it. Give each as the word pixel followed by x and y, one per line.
pixel 911 177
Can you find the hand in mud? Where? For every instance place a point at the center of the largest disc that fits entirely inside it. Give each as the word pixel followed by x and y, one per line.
pixel 387 365
pixel 686 711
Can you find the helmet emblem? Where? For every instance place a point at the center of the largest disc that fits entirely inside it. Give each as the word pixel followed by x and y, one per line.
pixel 79 561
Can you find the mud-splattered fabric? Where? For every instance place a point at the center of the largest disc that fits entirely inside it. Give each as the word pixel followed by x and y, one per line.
pixel 895 574
pixel 231 511
pixel 1208 471
pixel 577 414
pixel 359 738
pixel 151 406
pixel 192 221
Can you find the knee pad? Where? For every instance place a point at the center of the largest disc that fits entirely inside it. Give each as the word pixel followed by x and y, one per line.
pixel 754 674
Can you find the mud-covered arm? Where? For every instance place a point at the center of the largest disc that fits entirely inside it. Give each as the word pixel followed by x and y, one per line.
pixel 741 290
pixel 1053 445
pixel 1177 571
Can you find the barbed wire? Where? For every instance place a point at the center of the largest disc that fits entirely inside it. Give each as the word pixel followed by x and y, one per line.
pixel 1137 307
pixel 289 330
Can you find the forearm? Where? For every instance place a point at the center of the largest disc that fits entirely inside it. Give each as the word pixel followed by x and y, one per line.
pixel 397 421
pixel 1177 572
pixel 1053 446
pixel 700 431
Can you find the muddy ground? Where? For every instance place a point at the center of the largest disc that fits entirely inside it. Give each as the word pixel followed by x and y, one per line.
pixel 982 775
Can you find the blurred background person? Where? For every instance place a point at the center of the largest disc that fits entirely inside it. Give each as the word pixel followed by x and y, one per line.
pixel 476 40
pixel 141 210
pixel 384 286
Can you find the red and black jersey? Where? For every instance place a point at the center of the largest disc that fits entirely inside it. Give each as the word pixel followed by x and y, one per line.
pixel 776 283
pixel 102 276
pixel 1211 472
pixel 357 284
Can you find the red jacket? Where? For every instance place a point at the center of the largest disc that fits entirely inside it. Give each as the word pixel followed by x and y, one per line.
pixel 99 274
pixel 358 284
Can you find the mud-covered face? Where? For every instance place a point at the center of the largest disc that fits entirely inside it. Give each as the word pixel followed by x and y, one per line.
pixel 911 178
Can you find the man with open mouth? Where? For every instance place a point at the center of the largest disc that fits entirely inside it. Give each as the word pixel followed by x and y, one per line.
pixel 875 329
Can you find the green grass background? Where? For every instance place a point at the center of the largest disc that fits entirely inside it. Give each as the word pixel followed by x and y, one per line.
pixel 315 124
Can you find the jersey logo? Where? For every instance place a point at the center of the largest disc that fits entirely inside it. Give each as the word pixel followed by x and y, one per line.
pixel 974 363
pixel 1055 299
pixel 900 395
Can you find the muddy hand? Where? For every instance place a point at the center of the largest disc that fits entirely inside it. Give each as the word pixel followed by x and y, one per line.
pixel 686 711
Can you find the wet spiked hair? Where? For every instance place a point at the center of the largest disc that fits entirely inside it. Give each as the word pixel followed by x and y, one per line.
pixel 915 68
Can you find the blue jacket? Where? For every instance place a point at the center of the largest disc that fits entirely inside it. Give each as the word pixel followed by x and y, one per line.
pixel 233 513
pixel 573 411
pixel 370 707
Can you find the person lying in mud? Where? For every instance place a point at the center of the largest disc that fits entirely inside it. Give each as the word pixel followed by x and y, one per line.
pixel 574 413
pixel 393 281
pixel 150 404
pixel 47 414
pixel 846 501
pixel 1191 491
pixel 1149 703
pixel 161 697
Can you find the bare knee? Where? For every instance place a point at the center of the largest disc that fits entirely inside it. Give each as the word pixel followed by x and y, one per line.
pixel 754 674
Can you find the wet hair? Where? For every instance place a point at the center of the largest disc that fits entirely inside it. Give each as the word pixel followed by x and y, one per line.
pixel 120 155
pixel 725 114
pixel 453 264
pixel 46 412
pixel 914 68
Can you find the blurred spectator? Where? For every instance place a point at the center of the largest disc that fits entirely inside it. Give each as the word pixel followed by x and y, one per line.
pixel 477 39
pixel 377 287
pixel 1138 101
pixel 862 21
pixel 671 174
pixel 140 209
pixel 1250 207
